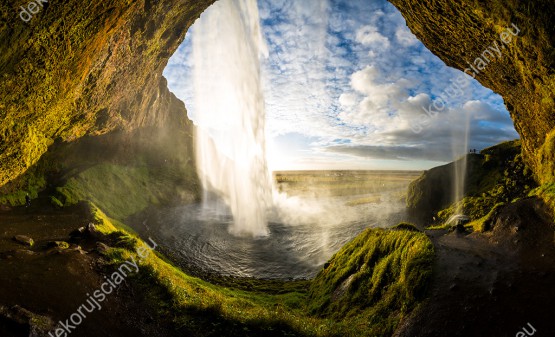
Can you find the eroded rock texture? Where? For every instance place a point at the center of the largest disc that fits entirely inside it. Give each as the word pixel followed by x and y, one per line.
pixel 86 68
pixel 459 31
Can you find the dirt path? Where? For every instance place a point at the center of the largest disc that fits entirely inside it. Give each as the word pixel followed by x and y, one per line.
pixel 56 283
pixel 492 284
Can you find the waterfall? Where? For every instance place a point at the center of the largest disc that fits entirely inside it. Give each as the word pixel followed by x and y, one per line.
pixel 460 147
pixel 230 113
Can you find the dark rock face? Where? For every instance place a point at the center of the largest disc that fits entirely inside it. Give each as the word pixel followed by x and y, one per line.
pixel 435 188
pixel 496 175
pixel 459 31
pixel 78 69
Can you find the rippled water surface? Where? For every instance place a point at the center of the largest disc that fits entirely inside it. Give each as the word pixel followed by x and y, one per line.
pixel 304 234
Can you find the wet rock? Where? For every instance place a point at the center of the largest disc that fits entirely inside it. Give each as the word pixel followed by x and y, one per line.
pixel 85 232
pixel 71 248
pixel 58 244
pixel 75 248
pixel 102 248
pixel 24 240
pixel 342 289
pixel 91 231
pixel 78 233
pixel 24 252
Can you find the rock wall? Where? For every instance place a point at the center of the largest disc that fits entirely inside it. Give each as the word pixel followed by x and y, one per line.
pixel 460 31
pixel 85 68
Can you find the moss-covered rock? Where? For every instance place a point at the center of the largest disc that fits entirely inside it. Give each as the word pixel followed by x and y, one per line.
pixel 377 278
pixel 76 69
pixel 435 188
pixel 496 175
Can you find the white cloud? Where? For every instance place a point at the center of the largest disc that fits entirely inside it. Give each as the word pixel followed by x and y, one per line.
pixel 348 99
pixel 369 36
pixel 352 71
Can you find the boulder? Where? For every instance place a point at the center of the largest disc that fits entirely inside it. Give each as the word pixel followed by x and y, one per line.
pixel 78 233
pixel 102 248
pixel 24 240
pixel 58 244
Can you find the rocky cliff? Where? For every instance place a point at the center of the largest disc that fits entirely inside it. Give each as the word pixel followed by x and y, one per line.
pixel 70 69
pixel 496 175
pixel 460 33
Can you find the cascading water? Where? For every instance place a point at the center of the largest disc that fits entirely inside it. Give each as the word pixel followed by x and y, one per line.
pixel 229 105
pixel 460 151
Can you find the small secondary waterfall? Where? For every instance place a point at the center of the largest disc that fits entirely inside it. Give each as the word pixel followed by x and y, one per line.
pixel 229 105
pixel 460 151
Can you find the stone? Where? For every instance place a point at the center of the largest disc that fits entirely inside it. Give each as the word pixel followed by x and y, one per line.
pixel 58 244
pixel 102 248
pixel 93 232
pixel 79 232
pixel 24 240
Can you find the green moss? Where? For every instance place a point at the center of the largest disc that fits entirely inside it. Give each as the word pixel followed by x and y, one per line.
pixel 375 280
pixel 406 226
pixel 546 158
pixel 120 190
pixel 30 183
pixel 547 193
pixel 56 202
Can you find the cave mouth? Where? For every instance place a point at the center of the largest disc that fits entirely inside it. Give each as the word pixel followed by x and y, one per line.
pixel 339 95
pixel 346 81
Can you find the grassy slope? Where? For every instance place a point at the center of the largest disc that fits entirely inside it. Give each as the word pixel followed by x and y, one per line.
pixel 144 169
pixel 374 281
pixel 125 189
pixel 498 175
pixel 121 190
pixel 390 269
pixel 504 178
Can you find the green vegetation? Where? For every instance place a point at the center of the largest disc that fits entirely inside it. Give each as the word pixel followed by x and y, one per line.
pixel 406 226
pixel 374 281
pixel 547 193
pixel 502 178
pixel 388 273
pixel 119 189
pixel 30 183
pixel 484 223
pixel 343 183
pixel 497 175
pixel 122 190
pixel 546 156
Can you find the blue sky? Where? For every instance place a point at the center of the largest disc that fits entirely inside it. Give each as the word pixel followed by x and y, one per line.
pixel 346 84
